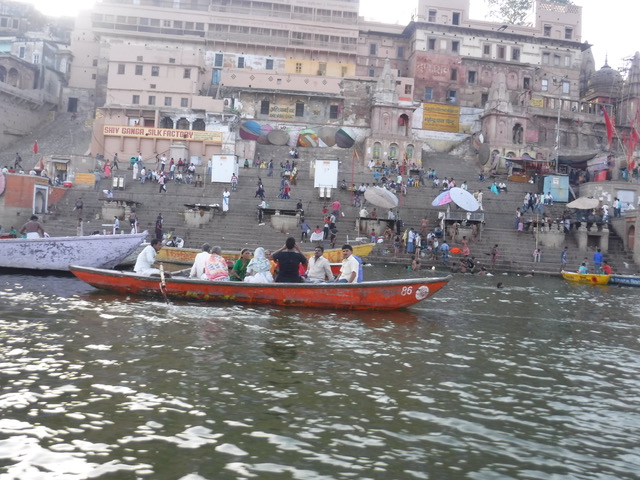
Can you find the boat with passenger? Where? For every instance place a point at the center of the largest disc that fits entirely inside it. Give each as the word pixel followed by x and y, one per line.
pixel 586 278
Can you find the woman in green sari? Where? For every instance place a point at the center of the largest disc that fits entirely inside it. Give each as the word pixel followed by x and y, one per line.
pixel 239 270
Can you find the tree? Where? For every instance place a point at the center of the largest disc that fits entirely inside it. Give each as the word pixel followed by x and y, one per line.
pixel 514 12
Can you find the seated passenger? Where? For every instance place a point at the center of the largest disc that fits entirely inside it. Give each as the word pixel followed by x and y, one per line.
pixel 259 268
pixel 146 259
pixel 216 267
pixel 200 262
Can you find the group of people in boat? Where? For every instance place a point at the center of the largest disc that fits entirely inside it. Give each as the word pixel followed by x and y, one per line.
pixel 286 265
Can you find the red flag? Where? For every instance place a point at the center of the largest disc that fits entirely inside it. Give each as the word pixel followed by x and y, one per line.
pixel 610 125
pixel 35 146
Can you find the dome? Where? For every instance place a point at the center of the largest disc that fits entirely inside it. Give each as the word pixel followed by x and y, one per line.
pixel 606 80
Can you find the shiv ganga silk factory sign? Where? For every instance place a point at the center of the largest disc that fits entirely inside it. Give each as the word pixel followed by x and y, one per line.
pixel 148 132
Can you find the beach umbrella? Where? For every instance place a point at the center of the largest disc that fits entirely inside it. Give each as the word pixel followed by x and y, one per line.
pixel 250 130
pixel 344 138
pixel 381 197
pixel 584 203
pixel 463 199
pixel 442 199
pixel 278 137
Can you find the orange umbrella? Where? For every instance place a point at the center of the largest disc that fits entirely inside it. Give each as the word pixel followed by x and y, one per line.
pixel 455 250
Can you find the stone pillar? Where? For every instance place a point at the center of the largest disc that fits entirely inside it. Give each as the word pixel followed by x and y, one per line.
pixel 604 239
pixel 581 237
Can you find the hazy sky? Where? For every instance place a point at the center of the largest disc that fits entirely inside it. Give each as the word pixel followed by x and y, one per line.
pixel 609 25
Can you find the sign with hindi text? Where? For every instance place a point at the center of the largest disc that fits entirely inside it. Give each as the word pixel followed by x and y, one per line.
pixel 442 118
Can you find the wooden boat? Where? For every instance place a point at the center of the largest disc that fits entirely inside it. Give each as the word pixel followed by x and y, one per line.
pixel 630 280
pixel 57 253
pixel 377 295
pixel 186 256
pixel 588 278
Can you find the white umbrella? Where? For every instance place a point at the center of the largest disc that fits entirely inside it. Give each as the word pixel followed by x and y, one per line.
pixel 584 203
pixel 463 199
pixel 381 197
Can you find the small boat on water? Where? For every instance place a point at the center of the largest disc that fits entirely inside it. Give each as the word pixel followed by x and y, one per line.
pixel 630 280
pixel 587 278
pixel 186 256
pixel 57 253
pixel 376 295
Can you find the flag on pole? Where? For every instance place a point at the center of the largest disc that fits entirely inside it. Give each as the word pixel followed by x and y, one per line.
pixel 35 147
pixel 610 125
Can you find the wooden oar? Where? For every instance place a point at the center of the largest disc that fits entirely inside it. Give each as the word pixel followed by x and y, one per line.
pixel 163 285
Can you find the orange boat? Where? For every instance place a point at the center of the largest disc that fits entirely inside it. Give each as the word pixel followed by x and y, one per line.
pixel 186 256
pixel 378 295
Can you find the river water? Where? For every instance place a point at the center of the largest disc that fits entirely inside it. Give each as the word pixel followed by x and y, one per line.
pixel 539 380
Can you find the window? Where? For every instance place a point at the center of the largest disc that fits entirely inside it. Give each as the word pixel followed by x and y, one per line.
pixel 566 87
pixel 526 83
pixel 455 46
pixel 486 50
pixel 269 65
pixel 343 71
pixel 21 52
pixel 471 76
pixel 567 61
pixel 139 59
pixel 167 101
pixel 93 76
pixel 452 96
pixel 431 44
pixel 95 62
pixel 502 52
pixel 515 54
pixel 333 111
pixel 152 100
pixel 138 69
pixel 432 15
pixel 454 74
pixel 400 52
pixel 568 33
pixel 184 102
pixel 545 58
pixel 322 68
pixel 299 109
pixel 372 72
pixel 298 67
pixel 152 86
pixel 484 98
pixel 264 107
pixel 217 61
pixel 177 24
pixel 455 19
pixel 121 69
pixel 135 99
pixel 407 89
pixel 546 30
pixel 556 60
pixel 428 93
pixel 373 49
pixel 240 62
pixel 172 60
pixel 544 85
pixel 155 71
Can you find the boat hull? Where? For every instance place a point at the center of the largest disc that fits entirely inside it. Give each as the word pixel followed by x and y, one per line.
pixel 586 278
pixel 378 295
pixel 186 256
pixel 630 280
pixel 57 253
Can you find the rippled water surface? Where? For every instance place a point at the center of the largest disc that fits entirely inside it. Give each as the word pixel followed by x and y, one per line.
pixel 539 380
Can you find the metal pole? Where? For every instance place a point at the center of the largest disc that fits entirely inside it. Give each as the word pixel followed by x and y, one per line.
pixel 558 136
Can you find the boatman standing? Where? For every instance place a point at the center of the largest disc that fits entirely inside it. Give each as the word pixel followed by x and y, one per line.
pixel 146 259
pixel 33 228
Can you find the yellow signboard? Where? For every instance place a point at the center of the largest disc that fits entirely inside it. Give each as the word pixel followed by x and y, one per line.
pixel 282 112
pixel 536 102
pixel 193 135
pixel 442 118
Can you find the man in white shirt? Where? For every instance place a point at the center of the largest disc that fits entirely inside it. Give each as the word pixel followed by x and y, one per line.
pixel 146 259
pixel 350 266
pixel 198 267
pixel 319 268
